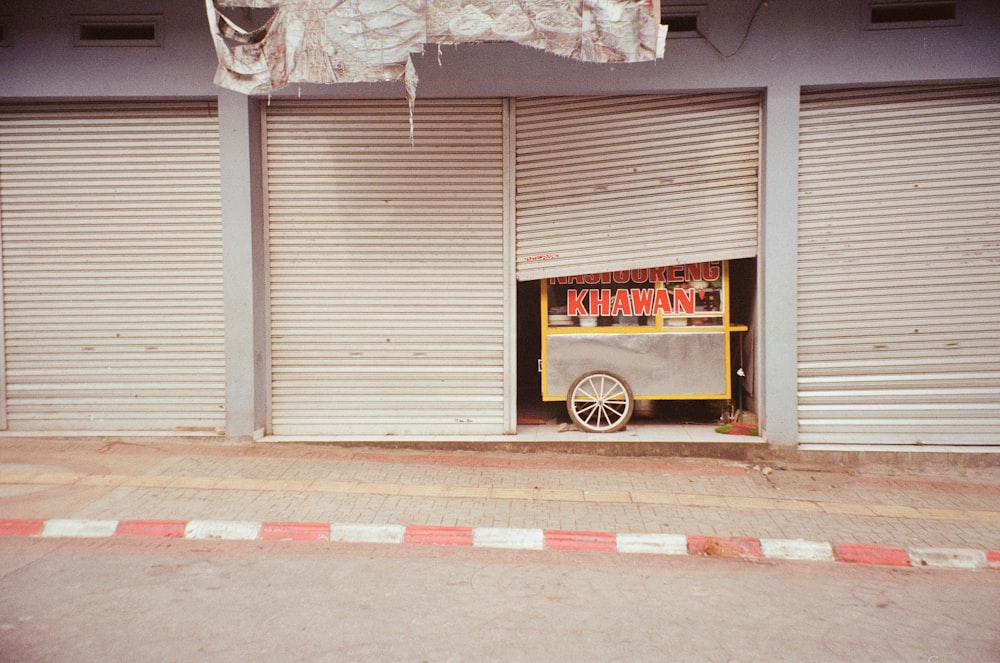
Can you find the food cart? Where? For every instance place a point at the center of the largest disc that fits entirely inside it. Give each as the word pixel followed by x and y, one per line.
pixel 610 339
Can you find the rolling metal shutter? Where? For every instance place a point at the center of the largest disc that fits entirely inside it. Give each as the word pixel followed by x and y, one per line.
pixel 610 183
pixel 112 267
pixel 899 266
pixel 386 267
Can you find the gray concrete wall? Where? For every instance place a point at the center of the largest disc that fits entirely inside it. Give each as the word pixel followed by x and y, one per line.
pixel 789 42
pixel 41 61
pixel 243 265
pixel 778 48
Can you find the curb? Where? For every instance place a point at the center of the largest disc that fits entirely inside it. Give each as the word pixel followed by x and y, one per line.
pixel 507 538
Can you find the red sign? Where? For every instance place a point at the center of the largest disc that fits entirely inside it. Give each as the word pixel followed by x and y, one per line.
pixel 632 301
pixel 641 301
pixel 697 271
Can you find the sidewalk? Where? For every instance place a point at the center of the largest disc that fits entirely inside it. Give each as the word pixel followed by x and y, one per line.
pixel 544 501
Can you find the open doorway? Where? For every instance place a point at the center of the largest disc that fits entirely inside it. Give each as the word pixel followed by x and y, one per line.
pixel 533 410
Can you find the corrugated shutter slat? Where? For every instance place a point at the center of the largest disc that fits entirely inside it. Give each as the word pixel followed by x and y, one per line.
pixel 112 267
pixel 606 183
pixel 386 267
pixel 899 266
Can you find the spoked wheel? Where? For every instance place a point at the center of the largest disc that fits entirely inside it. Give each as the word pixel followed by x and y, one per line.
pixel 600 402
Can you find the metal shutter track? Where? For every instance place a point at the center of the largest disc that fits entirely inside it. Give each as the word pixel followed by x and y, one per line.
pixel 112 267
pixel 607 183
pixel 386 267
pixel 899 266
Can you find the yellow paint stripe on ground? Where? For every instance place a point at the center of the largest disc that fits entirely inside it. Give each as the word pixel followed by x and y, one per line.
pixel 742 503
pixel 195 483
pixel 232 483
pixel 149 481
pixel 649 497
pixel 469 492
pixel 558 494
pixel 104 480
pixel 617 496
pixel 845 509
pixel 286 485
pixel 333 486
pixel 503 493
pixel 895 511
pixel 22 478
pixel 388 489
pixel 766 504
pixel 702 500
pixel 958 514
pixel 50 478
pixel 411 490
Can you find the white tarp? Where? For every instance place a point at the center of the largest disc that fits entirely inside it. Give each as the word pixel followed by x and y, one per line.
pixel 333 41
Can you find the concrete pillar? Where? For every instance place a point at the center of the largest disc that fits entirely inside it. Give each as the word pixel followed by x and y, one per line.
pixel 777 265
pixel 243 265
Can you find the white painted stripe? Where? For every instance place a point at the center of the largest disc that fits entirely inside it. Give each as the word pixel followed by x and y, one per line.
pixel 226 530
pixel 355 533
pixel 948 558
pixel 817 551
pixel 79 528
pixel 508 537
pixel 657 544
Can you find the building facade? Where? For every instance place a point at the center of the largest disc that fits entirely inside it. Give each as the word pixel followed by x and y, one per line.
pixel 182 259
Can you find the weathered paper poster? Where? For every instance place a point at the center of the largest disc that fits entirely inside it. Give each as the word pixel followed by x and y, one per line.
pixel 332 41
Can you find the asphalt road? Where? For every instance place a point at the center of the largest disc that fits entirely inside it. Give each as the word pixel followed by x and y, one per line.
pixel 123 600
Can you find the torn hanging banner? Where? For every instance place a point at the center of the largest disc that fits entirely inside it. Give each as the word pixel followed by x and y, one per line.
pixel 335 41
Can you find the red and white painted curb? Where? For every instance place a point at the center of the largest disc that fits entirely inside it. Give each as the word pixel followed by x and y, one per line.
pixel 507 538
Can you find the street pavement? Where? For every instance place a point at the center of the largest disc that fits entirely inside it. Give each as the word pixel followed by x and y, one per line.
pixel 935 515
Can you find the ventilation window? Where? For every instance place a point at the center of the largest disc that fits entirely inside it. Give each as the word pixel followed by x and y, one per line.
pixel 683 20
pixel 682 23
pixel 117 31
pixel 885 16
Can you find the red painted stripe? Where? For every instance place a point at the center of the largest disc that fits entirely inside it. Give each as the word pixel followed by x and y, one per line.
pixel 438 536
pixel 721 546
pixel 16 527
pixel 858 553
pixel 152 529
pixel 993 558
pixel 567 540
pixel 295 531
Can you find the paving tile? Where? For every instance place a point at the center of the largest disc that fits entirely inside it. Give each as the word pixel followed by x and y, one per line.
pixel 957 509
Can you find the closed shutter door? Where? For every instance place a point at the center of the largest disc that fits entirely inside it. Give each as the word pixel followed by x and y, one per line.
pixel 112 267
pixel 609 183
pixel 899 266
pixel 386 267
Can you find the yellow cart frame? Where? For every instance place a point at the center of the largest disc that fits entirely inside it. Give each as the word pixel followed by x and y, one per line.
pixel 601 364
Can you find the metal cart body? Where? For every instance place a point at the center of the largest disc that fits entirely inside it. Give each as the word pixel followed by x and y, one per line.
pixel 655 334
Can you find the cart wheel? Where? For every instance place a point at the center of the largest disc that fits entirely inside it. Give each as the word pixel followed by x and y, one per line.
pixel 600 402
